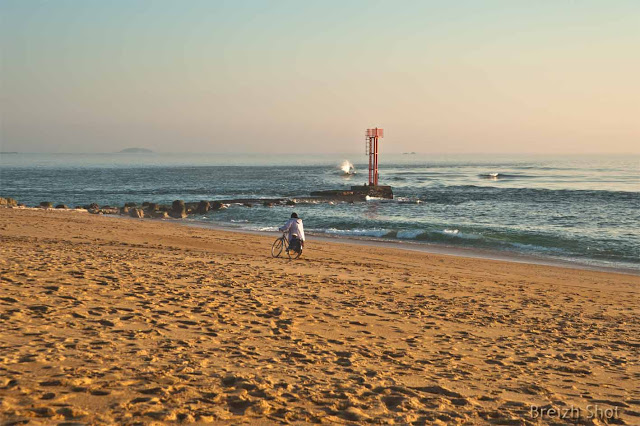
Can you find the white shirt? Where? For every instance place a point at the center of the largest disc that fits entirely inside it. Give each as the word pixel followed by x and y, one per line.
pixel 294 226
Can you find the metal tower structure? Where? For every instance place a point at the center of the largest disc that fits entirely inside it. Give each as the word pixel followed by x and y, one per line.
pixel 371 149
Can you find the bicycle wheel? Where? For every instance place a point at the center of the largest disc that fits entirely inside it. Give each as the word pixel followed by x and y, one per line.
pixel 294 254
pixel 276 248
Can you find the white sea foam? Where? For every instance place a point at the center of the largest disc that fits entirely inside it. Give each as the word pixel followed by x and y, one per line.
pixel 347 168
pixel 358 232
pixel 455 233
pixel 406 200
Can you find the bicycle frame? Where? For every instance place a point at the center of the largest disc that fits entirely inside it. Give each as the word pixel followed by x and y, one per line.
pixel 285 241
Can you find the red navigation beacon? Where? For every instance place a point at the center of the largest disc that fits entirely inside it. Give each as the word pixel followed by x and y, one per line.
pixel 372 136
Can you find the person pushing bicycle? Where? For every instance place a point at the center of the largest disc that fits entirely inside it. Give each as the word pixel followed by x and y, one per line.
pixel 295 231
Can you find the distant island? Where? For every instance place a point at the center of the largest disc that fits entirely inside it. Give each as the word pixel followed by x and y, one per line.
pixel 136 151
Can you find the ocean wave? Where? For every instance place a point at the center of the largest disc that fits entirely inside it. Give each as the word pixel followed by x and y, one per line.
pixel 450 235
pixel 357 232
pixel 411 234
pixel 537 248
pixel 457 194
pixel 497 176
pixel 403 234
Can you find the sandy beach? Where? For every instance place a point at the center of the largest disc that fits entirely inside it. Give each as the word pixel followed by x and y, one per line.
pixel 137 321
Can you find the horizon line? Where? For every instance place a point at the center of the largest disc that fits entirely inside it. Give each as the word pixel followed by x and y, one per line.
pixel 315 153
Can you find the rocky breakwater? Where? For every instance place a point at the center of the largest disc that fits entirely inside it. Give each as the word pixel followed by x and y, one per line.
pixel 356 193
pixel 179 209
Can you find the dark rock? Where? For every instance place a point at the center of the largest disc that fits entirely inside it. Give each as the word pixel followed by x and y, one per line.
pixel 290 203
pixel 96 209
pixel 379 191
pixel 137 213
pixel 62 206
pixel 332 193
pixel 267 204
pixel 216 205
pixel 355 193
pixel 130 204
pixel 46 205
pixel 178 209
pixel 177 214
pixel 247 204
pixel 150 206
pixel 159 214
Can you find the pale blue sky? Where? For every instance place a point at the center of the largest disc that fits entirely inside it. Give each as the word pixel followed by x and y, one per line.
pixel 258 76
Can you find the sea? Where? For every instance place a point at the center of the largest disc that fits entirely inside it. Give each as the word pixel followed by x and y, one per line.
pixel 584 210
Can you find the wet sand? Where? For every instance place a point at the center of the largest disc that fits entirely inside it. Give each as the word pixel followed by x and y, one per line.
pixel 128 321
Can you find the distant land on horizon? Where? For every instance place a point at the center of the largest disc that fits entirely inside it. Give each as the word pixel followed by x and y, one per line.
pixel 136 151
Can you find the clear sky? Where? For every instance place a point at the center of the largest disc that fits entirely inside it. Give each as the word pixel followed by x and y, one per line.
pixel 559 76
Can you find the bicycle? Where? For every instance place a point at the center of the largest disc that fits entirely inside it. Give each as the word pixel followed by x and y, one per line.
pixel 282 244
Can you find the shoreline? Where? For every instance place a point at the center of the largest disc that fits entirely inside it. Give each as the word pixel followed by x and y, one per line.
pixel 439 249
pixel 420 247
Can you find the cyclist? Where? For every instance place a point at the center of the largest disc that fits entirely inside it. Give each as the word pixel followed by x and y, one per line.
pixel 295 230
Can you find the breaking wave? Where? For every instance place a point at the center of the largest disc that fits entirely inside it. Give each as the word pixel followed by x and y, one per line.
pixel 498 176
pixel 347 168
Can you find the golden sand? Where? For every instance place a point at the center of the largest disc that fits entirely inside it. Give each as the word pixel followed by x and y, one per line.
pixel 106 320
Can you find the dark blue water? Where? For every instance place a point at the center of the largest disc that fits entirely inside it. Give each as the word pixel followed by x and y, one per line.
pixel 582 209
